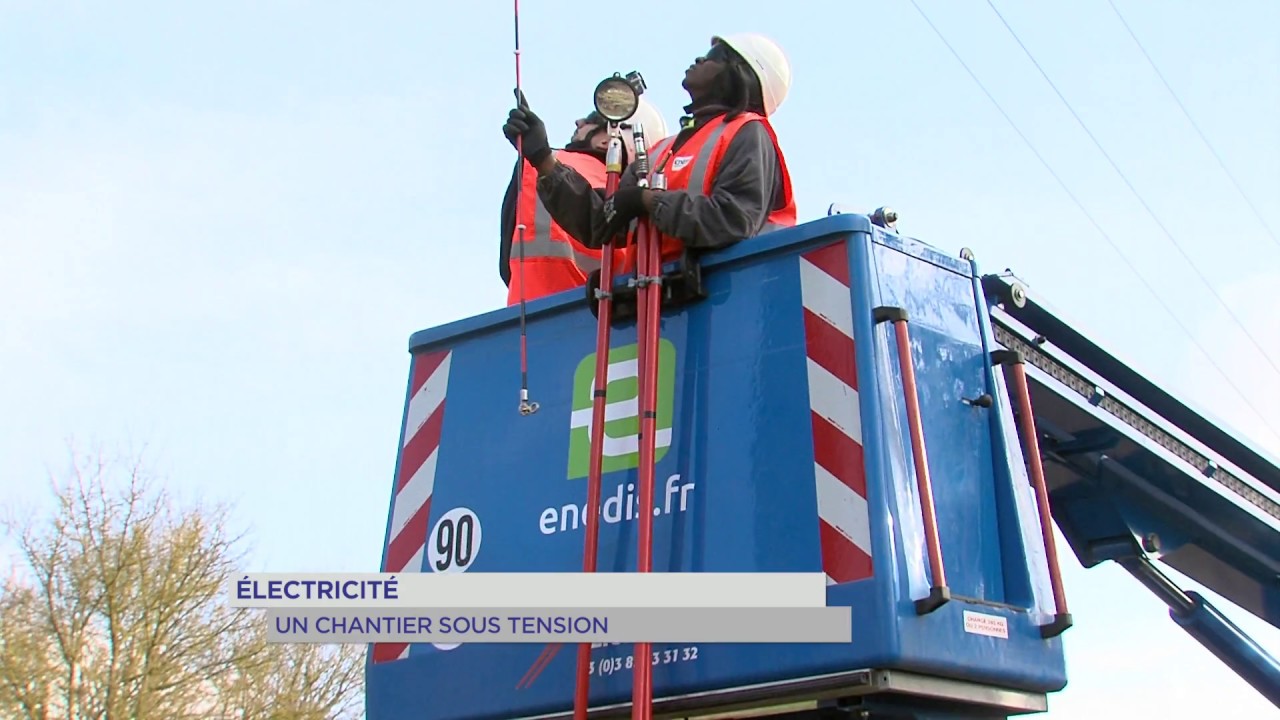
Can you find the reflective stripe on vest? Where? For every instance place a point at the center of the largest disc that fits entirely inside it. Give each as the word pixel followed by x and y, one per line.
pixel 542 246
pixel 702 163
pixel 546 239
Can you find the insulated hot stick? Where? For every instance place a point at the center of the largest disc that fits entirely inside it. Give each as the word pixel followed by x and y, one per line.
pixel 613 165
pixel 648 315
pixel 616 99
pixel 526 407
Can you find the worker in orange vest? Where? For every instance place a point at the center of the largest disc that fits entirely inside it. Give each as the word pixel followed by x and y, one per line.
pixel 726 177
pixel 554 261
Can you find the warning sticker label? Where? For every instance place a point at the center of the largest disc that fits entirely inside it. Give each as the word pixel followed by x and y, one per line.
pixel 989 625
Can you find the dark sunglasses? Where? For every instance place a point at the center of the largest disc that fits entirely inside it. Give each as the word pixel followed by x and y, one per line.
pixel 719 53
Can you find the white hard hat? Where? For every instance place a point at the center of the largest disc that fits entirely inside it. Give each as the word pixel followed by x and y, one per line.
pixel 651 122
pixel 769 63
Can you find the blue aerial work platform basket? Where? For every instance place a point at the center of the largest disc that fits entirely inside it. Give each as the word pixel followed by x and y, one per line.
pixel 784 445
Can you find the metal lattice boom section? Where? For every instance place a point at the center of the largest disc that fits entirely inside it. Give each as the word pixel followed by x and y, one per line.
pixel 1090 391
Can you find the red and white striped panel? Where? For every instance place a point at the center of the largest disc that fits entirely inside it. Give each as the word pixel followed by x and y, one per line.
pixel 844 525
pixel 418 453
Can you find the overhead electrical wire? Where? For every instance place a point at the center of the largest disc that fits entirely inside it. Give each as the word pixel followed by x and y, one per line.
pixel 1248 201
pixel 1092 220
pixel 1136 194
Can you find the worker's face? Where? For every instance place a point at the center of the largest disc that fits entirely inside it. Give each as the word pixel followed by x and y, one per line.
pixel 592 133
pixel 701 75
pixel 600 140
pixel 583 129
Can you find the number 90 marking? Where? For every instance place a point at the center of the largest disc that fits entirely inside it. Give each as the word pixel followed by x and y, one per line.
pixel 454 542
pixel 453 546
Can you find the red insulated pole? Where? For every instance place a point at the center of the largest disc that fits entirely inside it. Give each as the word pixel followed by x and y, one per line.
pixel 604 313
pixel 651 302
pixel 526 407
pixel 641 265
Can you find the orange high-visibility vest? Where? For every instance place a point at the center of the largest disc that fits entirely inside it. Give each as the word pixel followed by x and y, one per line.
pixel 694 171
pixel 553 260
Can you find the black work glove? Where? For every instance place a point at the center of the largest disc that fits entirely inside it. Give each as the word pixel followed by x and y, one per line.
pixel 523 124
pixel 626 205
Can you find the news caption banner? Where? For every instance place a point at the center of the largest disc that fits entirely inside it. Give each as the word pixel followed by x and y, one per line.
pixel 601 608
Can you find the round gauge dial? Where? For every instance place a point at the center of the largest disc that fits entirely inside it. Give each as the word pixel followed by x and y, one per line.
pixel 616 99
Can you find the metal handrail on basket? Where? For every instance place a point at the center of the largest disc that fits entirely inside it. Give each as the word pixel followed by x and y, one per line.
pixel 939 593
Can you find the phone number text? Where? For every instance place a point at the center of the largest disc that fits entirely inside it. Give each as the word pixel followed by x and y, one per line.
pixel 609 666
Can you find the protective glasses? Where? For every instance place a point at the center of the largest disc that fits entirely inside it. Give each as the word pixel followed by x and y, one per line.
pixel 719 53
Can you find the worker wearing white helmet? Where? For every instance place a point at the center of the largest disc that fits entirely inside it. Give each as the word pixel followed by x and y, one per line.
pixel 553 260
pixel 726 177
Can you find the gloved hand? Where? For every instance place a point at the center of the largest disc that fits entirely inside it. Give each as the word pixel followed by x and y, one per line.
pixel 626 205
pixel 528 127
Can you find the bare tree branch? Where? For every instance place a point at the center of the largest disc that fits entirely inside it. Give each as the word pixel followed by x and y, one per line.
pixel 123 615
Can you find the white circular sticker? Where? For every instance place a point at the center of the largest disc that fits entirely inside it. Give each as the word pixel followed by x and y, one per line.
pixel 454 542
pixel 453 546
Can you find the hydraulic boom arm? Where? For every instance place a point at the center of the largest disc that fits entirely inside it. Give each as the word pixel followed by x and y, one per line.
pixel 1135 474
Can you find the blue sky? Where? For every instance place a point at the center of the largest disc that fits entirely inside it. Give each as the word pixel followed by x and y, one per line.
pixel 220 223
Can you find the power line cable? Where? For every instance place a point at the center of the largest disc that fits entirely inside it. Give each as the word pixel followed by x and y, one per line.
pixel 1095 223
pixel 1136 194
pixel 1195 125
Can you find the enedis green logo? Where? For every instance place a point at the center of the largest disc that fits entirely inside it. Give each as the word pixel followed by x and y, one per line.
pixel 621 450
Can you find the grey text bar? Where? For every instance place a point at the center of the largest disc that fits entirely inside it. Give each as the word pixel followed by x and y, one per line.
pixel 568 625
